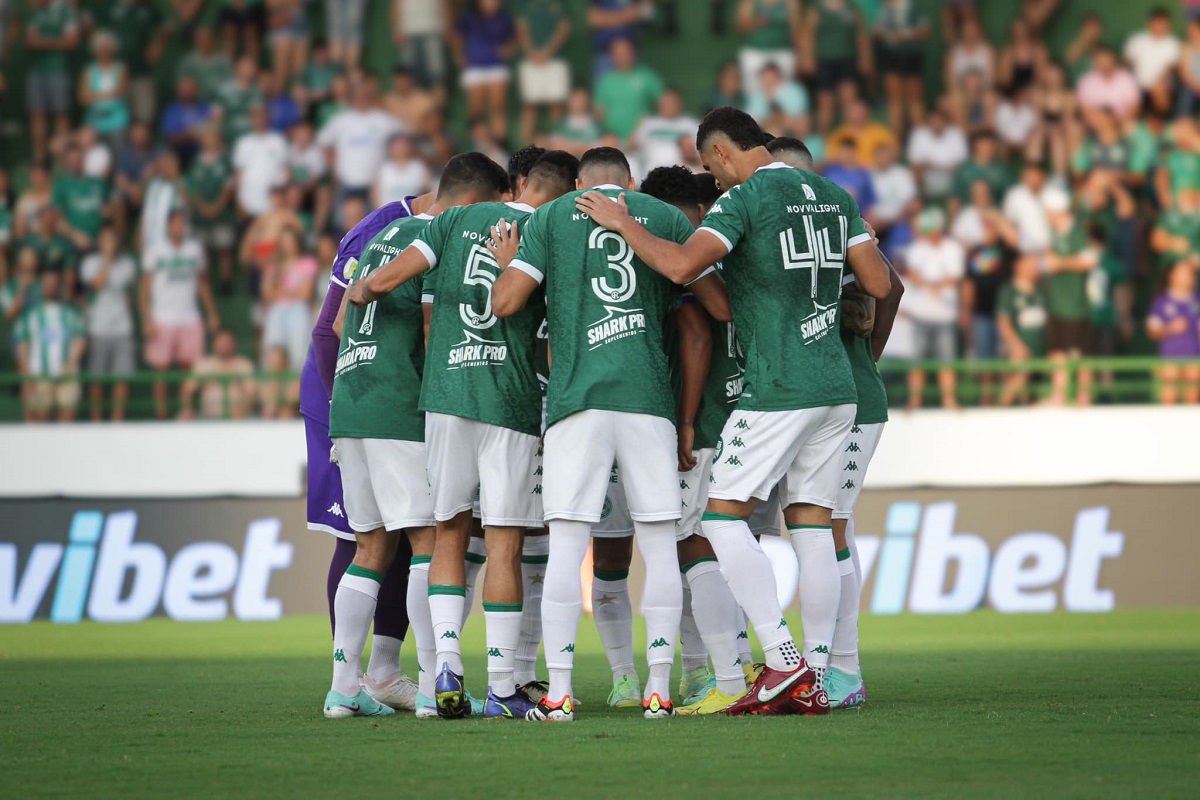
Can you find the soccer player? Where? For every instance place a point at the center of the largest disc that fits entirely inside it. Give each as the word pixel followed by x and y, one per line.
pixel 379 432
pixel 843 682
pixel 609 399
pixel 784 237
pixel 383 679
pixel 483 419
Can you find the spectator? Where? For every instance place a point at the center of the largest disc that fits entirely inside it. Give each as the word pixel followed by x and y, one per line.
pixel 989 266
pixel 895 189
pixel 97 155
pixel 972 105
pixel 1083 47
pixel 866 133
pixel 728 90
pixel 109 275
pixel 1069 331
pixel 578 131
pixel 244 20
pixel 1109 295
pixel 660 139
pixel 773 33
pixel 287 293
pixel 315 84
pixel 544 77
pixel 344 21
pixel 985 165
pixel 165 194
pixel 260 164
pixel 971 54
pixel 209 67
pixel 307 170
pixel 484 41
pixel 103 88
pixel 31 202
pixel 935 266
pixel 901 30
pixel 611 21
pixel 1022 59
pixel 261 239
pixel 836 52
pixel 210 186
pixel 778 98
pixel 419 28
pixel 845 170
pixel 21 291
pixel 55 252
pixel 1108 87
pixel 224 381
pixel 1056 107
pixel 282 109
pixel 51 34
pixel 1154 54
pixel 81 200
pixel 402 175
pixel 356 142
pixel 287 29
pixel 627 93
pixel 185 118
pixel 1178 182
pixel 187 14
pixel 237 97
pixel 1021 319
pixel 1024 208
pixel 936 150
pixel 50 344
pixel 1017 124
pixel 338 101
pixel 407 101
pixel 174 292
pixel 1189 70
pixel 138 26
pixel 135 161
pixel 980 209
pixel 1174 323
pixel 1104 149
pixel 1174 240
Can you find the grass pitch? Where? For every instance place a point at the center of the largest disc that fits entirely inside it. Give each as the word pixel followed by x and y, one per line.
pixel 981 706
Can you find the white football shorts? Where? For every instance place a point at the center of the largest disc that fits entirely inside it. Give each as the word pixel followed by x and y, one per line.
pixel 858 449
pixel 384 484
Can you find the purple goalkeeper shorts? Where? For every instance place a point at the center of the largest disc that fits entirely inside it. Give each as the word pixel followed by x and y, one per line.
pixel 326 511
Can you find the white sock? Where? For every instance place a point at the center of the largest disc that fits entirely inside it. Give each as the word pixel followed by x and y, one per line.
pixel 446 611
pixel 385 658
pixel 353 608
pixel 743 635
pixel 472 564
pixel 715 608
pixel 613 613
pixel 843 654
pixel 562 601
pixel 691 645
pixel 534 555
pixel 662 602
pixel 820 589
pixel 421 623
pixel 748 572
pixel 503 622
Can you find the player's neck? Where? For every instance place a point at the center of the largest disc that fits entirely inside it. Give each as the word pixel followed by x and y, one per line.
pixel 751 161
pixel 534 198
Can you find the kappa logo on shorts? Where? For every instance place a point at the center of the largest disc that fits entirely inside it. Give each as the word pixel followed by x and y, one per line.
pixel 538 471
pixel 336 510
pixel 856 429
pixel 537 489
pixel 849 484
pixel 741 425
pixel 733 461
pixel 852 467
pixel 853 448
pixel 737 442
pixel 683 485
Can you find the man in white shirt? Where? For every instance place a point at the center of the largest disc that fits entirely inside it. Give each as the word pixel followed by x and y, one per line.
pixel 936 265
pixel 659 138
pixel 895 188
pixel 1153 54
pixel 260 160
pixel 173 291
pixel 936 150
pixel 1023 207
pixel 355 141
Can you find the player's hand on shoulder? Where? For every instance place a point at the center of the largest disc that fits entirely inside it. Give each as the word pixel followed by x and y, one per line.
pixel 356 295
pixel 603 210
pixel 504 243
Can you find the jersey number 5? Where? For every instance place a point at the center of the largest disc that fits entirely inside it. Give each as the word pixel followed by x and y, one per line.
pixel 481 271
pixel 620 261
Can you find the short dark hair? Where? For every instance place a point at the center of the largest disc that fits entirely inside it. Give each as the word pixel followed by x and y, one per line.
pixel 604 158
pixel 738 126
pixel 673 185
pixel 472 171
pixel 521 162
pixel 706 188
pixel 556 170
pixel 1159 12
pixel 790 144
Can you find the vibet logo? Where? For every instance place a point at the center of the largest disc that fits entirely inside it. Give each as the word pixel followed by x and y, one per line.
pixel 107 576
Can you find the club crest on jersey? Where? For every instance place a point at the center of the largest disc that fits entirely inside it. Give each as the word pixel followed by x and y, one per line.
pixel 720 449
pixel 607 510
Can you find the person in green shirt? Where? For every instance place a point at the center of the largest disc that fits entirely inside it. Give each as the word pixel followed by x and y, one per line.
pixel 626 93
pixel 1069 327
pixel 81 199
pixel 237 98
pixel 578 130
pixel 1109 295
pixel 55 252
pixel 1021 318
pixel 138 26
pixel 837 50
pixel 51 340
pixel 51 35
pixel 482 402
pixel 544 77
pixel 1176 237
pixel 209 182
pixel 985 165
pixel 210 68
pixel 772 33
pixel 902 31
pixel 378 432
pixel 1178 180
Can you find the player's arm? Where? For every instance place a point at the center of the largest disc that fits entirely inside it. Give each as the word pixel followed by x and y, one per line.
pixel 338 324
pixel 426 319
pixel 512 291
pixel 383 281
pixel 695 359
pixel 885 312
pixel 680 263
pixel 872 274
pixel 523 271
pixel 710 290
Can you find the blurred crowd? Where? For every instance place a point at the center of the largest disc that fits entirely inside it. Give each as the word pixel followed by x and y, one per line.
pixel 1038 204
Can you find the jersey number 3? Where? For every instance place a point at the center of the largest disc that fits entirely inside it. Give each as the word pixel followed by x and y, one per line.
pixel 620 261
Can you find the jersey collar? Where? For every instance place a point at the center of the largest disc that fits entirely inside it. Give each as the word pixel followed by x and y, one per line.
pixel 773 165
pixel 423 216
pixel 612 186
pixel 520 206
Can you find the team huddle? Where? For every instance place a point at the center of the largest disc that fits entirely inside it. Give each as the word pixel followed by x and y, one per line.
pixel 541 358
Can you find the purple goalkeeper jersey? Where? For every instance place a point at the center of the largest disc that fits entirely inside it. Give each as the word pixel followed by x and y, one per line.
pixel 316 379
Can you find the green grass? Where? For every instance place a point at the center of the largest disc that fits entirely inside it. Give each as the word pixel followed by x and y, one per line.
pixel 982 706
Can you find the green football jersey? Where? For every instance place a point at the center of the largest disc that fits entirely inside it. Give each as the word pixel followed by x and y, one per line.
pixel 606 310
pixel 1067 289
pixel 479 366
pixel 377 384
pixel 788 234
pixel 1026 312
pixel 872 397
